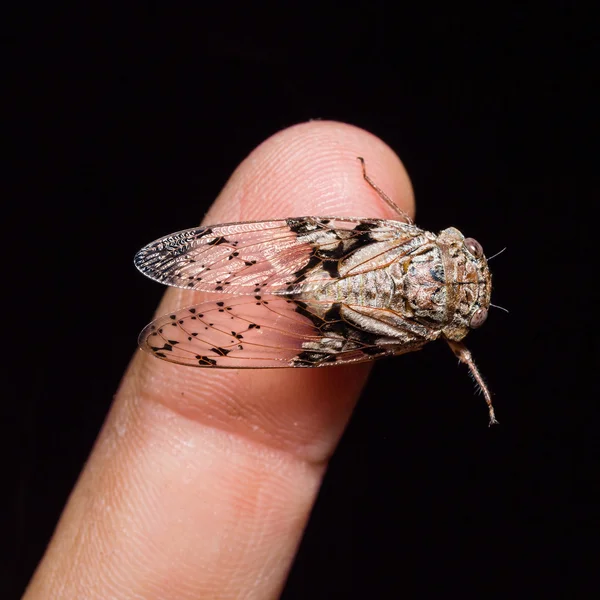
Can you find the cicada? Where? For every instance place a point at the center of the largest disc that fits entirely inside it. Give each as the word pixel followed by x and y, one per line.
pixel 317 292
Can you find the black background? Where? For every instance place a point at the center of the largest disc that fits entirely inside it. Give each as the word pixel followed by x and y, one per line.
pixel 124 124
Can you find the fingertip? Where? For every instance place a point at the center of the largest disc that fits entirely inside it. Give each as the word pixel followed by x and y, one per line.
pixel 313 169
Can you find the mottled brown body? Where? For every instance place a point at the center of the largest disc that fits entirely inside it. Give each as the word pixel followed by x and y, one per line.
pixel 429 286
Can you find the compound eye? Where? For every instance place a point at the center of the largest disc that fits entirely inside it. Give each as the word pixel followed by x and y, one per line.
pixel 474 247
pixel 478 318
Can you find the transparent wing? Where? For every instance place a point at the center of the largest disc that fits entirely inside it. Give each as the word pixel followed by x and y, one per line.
pixel 269 256
pixel 241 332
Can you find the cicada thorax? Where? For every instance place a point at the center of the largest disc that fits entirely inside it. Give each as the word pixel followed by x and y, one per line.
pixel 442 285
pixel 420 290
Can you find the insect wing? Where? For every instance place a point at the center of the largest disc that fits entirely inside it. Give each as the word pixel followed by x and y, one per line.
pixel 241 332
pixel 272 256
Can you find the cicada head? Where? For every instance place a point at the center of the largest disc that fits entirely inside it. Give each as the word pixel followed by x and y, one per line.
pixel 468 281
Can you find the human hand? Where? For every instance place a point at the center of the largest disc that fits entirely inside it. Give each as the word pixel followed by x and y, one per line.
pixel 202 480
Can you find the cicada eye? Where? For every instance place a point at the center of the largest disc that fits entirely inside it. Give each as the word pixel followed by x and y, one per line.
pixel 478 318
pixel 474 247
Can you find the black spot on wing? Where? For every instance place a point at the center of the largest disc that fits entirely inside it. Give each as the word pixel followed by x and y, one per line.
pixel 220 351
pixel 218 240
pixel 333 253
pixel 302 226
pixel 334 323
pixel 331 267
pixel 310 358
pixel 374 350
pixel 206 231
pixel 362 239
pixel 367 226
pixel 301 274
pixel 205 360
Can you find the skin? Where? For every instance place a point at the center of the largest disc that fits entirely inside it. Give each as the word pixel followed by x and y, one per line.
pixel 201 481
